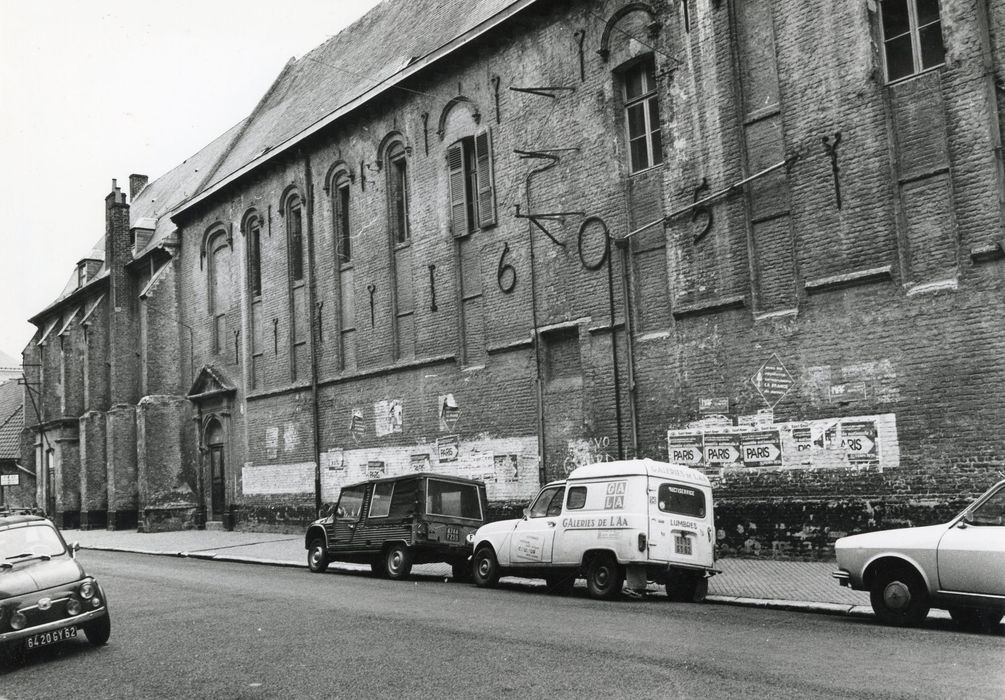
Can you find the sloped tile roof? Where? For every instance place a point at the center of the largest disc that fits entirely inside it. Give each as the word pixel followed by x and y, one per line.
pixel 381 43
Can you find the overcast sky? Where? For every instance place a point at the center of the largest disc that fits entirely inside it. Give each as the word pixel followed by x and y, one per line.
pixel 95 90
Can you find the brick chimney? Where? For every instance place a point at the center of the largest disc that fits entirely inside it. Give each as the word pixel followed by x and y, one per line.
pixel 122 326
pixel 136 185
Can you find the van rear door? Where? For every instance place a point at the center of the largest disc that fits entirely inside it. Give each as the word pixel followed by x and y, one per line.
pixel 681 530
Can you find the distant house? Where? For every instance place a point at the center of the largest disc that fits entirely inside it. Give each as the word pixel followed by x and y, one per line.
pixel 17 489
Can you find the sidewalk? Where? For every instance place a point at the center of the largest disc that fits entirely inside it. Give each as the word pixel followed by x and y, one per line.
pixel 767 583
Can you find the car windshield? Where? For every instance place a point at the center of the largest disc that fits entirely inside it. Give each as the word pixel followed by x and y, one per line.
pixel 28 543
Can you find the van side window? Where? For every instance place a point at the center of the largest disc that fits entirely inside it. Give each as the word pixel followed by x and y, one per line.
pixel 349 503
pixel 453 499
pixel 682 500
pixel 548 504
pixel 576 499
pixel 403 499
pixel 380 504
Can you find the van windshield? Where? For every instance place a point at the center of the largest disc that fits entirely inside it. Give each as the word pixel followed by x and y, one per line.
pixel 453 500
pixel 682 500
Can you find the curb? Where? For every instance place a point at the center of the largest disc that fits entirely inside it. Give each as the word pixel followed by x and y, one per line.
pixel 843 609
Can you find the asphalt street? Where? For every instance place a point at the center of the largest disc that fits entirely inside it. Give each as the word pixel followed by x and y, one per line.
pixel 208 629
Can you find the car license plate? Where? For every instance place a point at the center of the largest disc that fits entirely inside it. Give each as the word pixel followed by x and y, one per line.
pixel 453 534
pixel 46 638
pixel 682 544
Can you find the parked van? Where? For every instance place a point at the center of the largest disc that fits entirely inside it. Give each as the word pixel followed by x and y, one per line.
pixel 638 520
pixel 394 523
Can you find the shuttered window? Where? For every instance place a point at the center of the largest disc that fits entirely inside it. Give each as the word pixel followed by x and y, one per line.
pixel 472 189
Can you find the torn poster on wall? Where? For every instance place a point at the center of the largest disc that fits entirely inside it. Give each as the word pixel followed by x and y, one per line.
pixel 829 443
pixel 387 417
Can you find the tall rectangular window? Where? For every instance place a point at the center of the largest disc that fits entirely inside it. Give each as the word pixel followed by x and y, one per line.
pixel 296 241
pixel 397 182
pixel 912 37
pixel 472 189
pixel 642 117
pixel 255 257
pixel 340 214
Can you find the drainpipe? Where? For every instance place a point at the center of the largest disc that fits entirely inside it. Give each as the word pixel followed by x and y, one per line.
pixel 624 246
pixel 313 310
pixel 542 475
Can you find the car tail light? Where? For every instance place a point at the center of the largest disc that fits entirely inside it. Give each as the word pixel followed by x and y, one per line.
pixel 86 589
pixel 73 606
pixel 642 541
pixel 18 621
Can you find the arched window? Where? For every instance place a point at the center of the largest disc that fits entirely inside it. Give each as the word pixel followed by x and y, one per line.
pixel 253 234
pixel 642 116
pixel 341 217
pixel 295 237
pixel 397 192
pixel 220 286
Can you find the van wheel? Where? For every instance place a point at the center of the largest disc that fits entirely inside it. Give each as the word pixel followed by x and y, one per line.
pixel 604 577
pixel 317 556
pixel 560 584
pixel 485 567
pixel 461 571
pixel 99 631
pixel 687 588
pixel 976 619
pixel 397 562
pixel 898 597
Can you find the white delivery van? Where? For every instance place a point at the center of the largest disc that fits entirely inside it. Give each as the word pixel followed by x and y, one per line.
pixel 638 520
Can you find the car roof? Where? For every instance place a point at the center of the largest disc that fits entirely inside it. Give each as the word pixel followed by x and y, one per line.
pixel 639 467
pixel 8 521
pixel 414 475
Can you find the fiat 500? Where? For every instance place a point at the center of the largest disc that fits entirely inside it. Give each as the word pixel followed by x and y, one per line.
pixel 958 566
pixel 45 596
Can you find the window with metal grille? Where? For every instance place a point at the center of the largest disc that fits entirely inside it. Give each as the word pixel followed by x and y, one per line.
pixel 472 189
pixel 642 116
pixel 912 37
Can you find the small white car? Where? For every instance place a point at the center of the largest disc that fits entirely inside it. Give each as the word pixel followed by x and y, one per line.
pixel 958 566
pixel 638 520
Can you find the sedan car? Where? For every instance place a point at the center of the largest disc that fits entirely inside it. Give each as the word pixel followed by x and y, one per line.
pixel 45 596
pixel 958 566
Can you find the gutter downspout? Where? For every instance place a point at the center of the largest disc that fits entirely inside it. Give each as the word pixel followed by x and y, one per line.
pixel 311 296
pixel 624 245
pixel 542 474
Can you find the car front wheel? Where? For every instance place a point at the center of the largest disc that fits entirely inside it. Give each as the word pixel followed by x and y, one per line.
pixel 485 567
pixel 317 556
pixel 899 597
pixel 976 619
pixel 604 577
pixel 98 631
pixel 397 562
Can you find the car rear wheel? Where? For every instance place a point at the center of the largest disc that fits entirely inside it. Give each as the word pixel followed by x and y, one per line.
pixel 98 631
pixel 397 562
pixel 687 588
pixel 485 567
pixel 899 597
pixel 976 619
pixel 317 556
pixel 604 577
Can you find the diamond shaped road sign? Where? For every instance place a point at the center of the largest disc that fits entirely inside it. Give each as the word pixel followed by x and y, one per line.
pixel 772 380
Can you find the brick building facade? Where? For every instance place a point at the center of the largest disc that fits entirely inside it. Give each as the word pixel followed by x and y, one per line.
pixel 761 238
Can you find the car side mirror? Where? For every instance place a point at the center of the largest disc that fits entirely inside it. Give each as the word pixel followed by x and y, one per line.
pixel 526 513
pixel 74 548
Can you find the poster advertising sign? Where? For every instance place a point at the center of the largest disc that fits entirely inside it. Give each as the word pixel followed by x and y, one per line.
pixel 761 448
pixel 722 449
pixel 450 412
pixel 772 380
pixel 684 447
pixel 387 417
pixel 448 448
pixel 8 480
pixel 375 469
pixel 718 405
pixel 357 428
pixel 420 462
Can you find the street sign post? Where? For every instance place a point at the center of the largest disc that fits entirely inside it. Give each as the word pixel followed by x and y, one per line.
pixel 772 381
